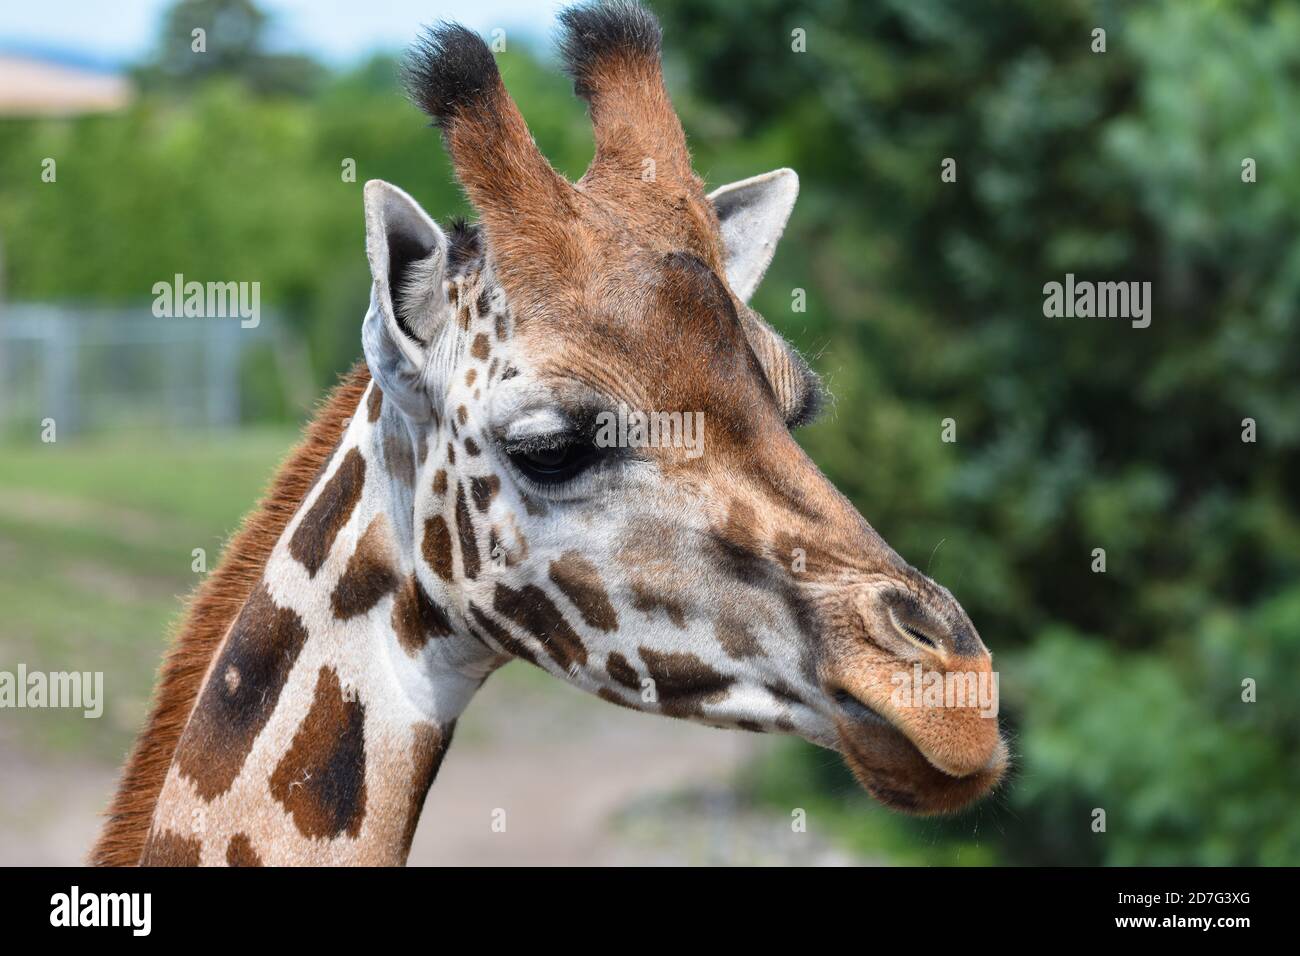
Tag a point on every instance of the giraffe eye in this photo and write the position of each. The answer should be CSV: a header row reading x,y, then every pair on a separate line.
x,y
552,459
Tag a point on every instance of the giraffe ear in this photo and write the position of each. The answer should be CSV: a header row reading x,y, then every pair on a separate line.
x,y
408,309
752,214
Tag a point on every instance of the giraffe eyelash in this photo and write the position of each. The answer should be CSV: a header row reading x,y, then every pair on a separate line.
x,y
529,444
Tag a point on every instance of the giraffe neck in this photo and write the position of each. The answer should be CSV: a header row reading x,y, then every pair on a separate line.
x,y
327,710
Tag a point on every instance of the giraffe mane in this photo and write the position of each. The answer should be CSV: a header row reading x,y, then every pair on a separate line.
x,y
208,616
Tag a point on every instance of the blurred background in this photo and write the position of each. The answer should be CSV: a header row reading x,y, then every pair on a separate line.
x,y
922,300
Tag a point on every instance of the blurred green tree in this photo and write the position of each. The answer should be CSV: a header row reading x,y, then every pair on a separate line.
x,y
232,44
925,302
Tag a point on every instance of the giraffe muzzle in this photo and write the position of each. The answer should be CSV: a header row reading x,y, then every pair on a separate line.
x,y
930,777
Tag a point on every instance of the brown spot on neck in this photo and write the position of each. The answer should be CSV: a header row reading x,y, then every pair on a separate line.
x,y
369,575
427,753
262,648
240,852
321,781
417,618
317,529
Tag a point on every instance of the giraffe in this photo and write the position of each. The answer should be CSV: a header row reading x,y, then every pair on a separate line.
x,y
450,510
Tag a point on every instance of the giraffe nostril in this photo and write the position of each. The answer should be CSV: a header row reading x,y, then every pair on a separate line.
x,y
918,635
912,631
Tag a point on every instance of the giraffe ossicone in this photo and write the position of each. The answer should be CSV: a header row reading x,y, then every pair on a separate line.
x,y
451,508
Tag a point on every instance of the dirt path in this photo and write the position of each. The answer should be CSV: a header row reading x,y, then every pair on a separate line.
x,y
580,782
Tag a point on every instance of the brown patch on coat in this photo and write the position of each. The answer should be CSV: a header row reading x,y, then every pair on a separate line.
x,y
531,609
436,546
471,446
427,753
321,780
171,849
505,641
316,531
369,575
470,376
440,482
683,682
483,489
417,618
469,556
480,349
262,648
214,606
580,582
240,852
645,600
374,403
622,672
736,638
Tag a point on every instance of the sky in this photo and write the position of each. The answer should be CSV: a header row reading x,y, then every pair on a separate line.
x,y
114,32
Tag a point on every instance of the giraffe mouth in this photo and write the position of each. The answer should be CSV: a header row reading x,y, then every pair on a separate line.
x,y
857,710
898,773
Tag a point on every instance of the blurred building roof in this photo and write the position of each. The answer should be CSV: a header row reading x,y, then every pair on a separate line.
x,y
34,87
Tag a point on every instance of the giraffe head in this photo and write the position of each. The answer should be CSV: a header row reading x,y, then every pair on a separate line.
x,y
591,438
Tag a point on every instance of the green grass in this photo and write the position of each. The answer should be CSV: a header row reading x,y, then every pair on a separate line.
x,y
96,544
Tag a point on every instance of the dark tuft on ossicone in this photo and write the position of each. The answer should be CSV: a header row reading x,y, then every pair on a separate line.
x,y
447,69
591,32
